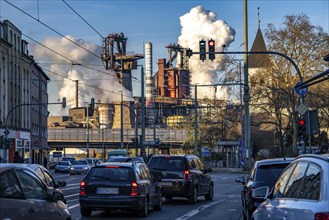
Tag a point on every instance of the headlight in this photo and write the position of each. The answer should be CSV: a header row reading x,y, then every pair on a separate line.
x,y
86,168
72,168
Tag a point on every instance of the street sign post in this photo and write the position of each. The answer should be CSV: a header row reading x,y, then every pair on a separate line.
x,y
300,91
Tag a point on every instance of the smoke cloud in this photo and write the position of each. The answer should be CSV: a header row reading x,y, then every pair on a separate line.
x,y
200,24
94,82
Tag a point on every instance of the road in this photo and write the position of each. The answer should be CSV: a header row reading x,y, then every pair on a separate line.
x,y
226,204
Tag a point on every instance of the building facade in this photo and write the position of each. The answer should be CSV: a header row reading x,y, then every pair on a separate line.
x,y
23,98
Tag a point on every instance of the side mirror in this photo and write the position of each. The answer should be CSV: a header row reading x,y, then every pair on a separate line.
x,y
241,180
61,183
57,196
260,192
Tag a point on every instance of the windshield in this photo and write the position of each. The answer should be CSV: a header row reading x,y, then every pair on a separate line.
x,y
115,174
167,163
268,174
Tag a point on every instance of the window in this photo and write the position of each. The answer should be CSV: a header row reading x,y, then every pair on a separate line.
x,y
282,182
32,186
295,182
9,186
312,183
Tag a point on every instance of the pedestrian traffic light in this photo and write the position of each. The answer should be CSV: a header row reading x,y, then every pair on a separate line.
x,y
202,46
211,48
301,128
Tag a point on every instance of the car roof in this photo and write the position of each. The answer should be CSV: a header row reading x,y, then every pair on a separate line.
x,y
274,161
125,164
319,156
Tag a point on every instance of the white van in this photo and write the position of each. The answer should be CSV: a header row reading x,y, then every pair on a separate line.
x,y
117,153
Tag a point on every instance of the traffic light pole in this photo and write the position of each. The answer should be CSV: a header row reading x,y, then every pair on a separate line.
x,y
6,132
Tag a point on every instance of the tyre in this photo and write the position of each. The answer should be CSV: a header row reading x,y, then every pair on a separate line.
x,y
158,207
193,198
210,194
144,211
85,211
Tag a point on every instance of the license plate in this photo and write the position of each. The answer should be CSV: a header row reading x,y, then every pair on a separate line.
x,y
166,183
107,191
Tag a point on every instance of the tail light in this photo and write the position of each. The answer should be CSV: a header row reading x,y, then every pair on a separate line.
x,y
321,216
134,189
187,175
83,188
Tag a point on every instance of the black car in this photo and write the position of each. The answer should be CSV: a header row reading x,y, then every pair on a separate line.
x,y
115,186
263,173
182,176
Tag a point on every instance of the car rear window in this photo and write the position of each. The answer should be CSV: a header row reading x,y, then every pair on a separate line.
x,y
65,163
167,163
268,174
113,173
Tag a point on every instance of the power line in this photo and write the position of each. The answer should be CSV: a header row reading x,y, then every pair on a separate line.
x,y
83,19
57,32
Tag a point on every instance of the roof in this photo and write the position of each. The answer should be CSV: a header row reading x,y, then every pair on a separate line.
x,y
259,60
275,161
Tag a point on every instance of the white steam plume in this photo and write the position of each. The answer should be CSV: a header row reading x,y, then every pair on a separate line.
x,y
102,85
200,24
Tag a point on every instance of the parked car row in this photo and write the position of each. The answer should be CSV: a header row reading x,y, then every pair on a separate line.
x,y
299,192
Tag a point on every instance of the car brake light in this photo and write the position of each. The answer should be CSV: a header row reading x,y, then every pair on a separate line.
x,y
134,189
83,189
187,175
166,156
112,166
321,216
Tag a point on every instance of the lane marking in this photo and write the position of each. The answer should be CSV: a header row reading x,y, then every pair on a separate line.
x,y
72,200
199,209
73,206
72,195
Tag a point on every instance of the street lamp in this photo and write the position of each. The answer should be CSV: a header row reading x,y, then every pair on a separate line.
x,y
87,129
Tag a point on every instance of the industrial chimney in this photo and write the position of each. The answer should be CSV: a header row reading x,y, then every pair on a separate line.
x,y
149,119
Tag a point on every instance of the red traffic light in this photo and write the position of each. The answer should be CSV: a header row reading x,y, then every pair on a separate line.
x,y
301,122
211,43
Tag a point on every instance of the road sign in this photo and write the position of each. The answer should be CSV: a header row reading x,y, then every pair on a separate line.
x,y
6,132
57,154
299,90
302,108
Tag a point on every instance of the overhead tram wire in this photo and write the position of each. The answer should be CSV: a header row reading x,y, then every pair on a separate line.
x,y
57,32
61,55
94,87
83,19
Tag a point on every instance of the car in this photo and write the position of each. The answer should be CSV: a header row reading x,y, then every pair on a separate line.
x,y
182,176
126,159
45,175
117,153
301,192
23,195
70,159
96,161
263,173
63,167
80,167
90,161
116,186
52,164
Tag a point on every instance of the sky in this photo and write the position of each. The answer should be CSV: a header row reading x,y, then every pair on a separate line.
x,y
54,28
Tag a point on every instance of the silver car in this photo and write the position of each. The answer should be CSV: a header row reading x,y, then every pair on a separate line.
x,y
63,167
23,195
301,192
80,167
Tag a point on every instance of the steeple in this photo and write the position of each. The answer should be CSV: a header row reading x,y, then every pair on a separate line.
x,y
259,60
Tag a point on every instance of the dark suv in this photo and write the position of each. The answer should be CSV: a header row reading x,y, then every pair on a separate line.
x,y
263,173
114,186
182,176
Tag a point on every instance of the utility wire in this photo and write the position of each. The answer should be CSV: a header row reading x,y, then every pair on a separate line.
x,y
61,55
82,19
57,32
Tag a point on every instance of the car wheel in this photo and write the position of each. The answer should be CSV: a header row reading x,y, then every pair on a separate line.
x,y
210,194
144,211
158,207
193,198
85,211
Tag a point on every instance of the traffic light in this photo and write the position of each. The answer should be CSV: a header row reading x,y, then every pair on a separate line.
x,y
301,128
2,141
64,102
189,52
202,46
211,48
